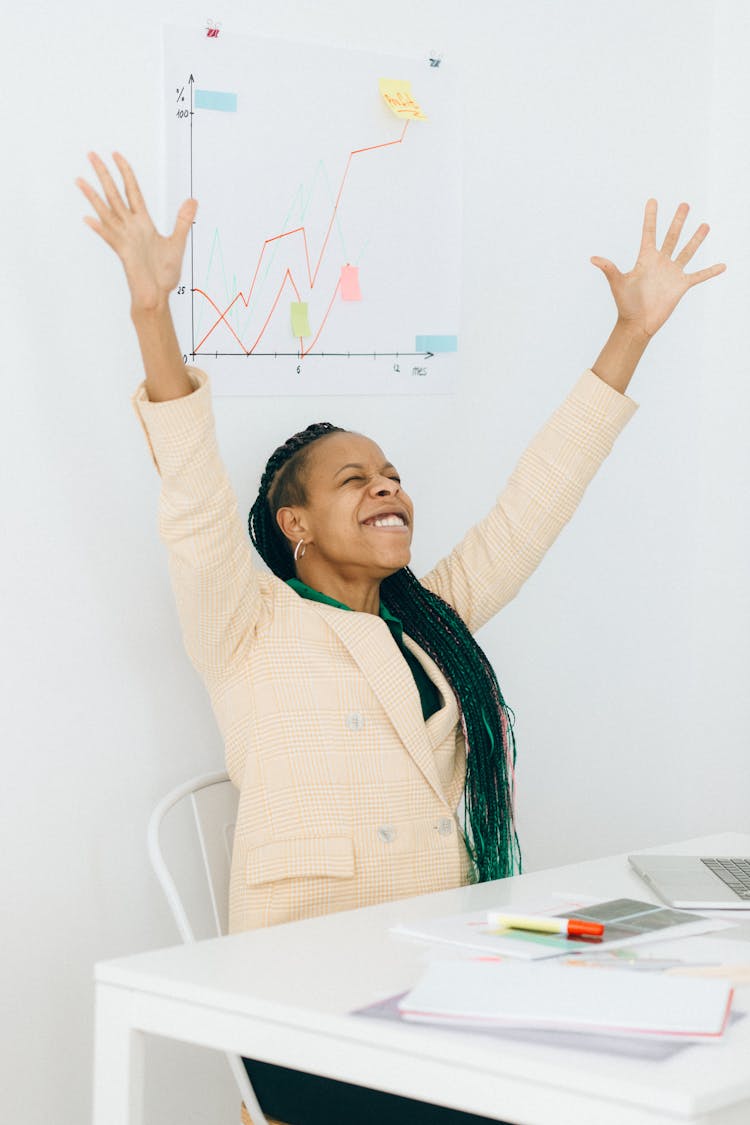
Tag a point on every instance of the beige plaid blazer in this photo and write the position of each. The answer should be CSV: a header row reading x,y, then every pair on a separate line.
x,y
347,796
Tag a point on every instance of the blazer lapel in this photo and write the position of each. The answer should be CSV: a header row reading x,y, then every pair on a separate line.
x,y
439,725
371,645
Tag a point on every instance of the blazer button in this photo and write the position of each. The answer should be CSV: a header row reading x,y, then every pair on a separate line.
x,y
445,826
354,721
387,833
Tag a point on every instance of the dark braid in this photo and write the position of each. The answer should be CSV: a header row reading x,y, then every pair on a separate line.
x,y
486,720
281,486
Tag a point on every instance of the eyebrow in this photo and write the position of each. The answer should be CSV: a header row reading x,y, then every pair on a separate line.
x,y
358,465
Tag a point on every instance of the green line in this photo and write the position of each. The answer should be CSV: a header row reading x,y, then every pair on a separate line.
x,y
299,202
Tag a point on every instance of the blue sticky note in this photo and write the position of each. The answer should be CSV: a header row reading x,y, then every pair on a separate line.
x,y
216,99
437,344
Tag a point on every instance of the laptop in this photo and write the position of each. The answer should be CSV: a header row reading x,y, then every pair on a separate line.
x,y
687,882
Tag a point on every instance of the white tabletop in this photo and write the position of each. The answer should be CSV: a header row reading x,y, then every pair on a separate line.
x,y
285,995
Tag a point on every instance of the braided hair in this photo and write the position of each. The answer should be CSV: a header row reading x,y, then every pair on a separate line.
x,y
486,720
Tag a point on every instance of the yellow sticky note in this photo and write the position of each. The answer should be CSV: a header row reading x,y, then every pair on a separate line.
x,y
300,321
397,95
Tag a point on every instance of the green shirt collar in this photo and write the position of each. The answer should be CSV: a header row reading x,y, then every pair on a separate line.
x,y
316,596
429,696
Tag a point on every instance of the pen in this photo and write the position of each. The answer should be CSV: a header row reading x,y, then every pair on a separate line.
x,y
571,927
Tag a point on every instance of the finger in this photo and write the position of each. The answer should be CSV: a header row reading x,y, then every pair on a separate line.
x,y
689,249
184,221
648,235
99,229
704,275
135,198
111,192
675,229
609,269
94,199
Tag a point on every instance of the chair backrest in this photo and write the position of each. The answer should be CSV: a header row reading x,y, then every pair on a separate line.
x,y
211,801
211,805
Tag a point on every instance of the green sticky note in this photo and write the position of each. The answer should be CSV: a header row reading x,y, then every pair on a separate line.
x,y
300,321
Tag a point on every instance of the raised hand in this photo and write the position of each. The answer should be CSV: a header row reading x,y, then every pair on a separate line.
x,y
152,261
152,265
649,293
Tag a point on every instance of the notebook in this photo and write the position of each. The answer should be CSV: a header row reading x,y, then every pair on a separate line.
x,y
703,882
548,996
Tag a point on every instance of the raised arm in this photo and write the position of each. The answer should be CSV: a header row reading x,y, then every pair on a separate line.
x,y
648,294
152,266
218,592
487,569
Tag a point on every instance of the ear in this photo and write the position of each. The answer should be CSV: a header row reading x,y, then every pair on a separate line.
x,y
293,524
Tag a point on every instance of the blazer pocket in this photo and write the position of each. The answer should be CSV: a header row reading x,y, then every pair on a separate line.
x,y
301,856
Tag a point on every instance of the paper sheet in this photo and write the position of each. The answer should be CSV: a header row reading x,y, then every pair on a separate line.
x,y
627,922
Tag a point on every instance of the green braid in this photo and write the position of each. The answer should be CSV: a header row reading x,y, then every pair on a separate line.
x,y
486,720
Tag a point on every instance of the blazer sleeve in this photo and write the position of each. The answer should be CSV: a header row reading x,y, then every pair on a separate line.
x,y
488,567
217,588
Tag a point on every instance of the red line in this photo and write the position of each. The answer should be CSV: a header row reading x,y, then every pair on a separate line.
x,y
222,316
273,309
311,277
325,318
267,242
354,152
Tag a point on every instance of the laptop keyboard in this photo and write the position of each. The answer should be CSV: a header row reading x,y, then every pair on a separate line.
x,y
735,872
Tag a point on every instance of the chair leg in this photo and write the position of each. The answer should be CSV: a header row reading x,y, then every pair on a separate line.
x,y
247,1119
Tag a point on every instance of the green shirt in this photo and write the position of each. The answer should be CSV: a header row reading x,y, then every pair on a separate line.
x,y
429,696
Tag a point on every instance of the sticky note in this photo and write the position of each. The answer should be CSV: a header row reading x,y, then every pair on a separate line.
x,y
350,290
216,99
437,344
398,96
300,321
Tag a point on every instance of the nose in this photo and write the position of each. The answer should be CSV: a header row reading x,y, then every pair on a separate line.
x,y
385,486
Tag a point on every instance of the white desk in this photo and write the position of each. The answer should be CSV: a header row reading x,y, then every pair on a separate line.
x,y
283,994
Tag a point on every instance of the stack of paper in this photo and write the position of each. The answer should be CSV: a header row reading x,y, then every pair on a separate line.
x,y
511,994
626,922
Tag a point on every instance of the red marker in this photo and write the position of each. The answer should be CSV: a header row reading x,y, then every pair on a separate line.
x,y
571,927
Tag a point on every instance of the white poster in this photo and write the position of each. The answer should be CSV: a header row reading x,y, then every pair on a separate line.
x,y
325,255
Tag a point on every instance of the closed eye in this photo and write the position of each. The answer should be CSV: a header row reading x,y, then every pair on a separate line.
x,y
350,479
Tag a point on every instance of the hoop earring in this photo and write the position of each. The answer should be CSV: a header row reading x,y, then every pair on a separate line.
x,y
300,554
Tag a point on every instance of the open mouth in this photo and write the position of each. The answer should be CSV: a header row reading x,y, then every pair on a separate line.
x,y
388,520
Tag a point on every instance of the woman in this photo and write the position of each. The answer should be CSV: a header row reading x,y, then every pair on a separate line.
x,y
355,705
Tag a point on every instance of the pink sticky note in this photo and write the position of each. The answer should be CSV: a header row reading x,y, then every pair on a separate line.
x,y
350,290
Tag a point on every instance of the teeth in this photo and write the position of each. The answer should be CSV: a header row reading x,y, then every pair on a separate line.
x,y
389,521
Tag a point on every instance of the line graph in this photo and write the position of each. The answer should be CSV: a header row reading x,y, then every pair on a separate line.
x,y
311,274
364,256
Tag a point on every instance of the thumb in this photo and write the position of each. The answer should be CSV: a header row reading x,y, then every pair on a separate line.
x,y
609,269
184,220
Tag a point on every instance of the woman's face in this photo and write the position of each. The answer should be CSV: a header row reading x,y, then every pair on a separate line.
x,y
357,518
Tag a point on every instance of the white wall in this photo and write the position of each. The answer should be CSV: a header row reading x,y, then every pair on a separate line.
x,y
625,657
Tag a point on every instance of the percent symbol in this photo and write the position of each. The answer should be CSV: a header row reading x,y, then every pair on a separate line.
x,y
181,95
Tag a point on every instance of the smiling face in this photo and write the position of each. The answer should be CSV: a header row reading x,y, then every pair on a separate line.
x,y
356,520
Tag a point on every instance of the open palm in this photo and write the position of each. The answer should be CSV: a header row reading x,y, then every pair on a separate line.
x,y
152,261
648,294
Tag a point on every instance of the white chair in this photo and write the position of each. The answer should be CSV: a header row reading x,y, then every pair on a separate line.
x,y
212,800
